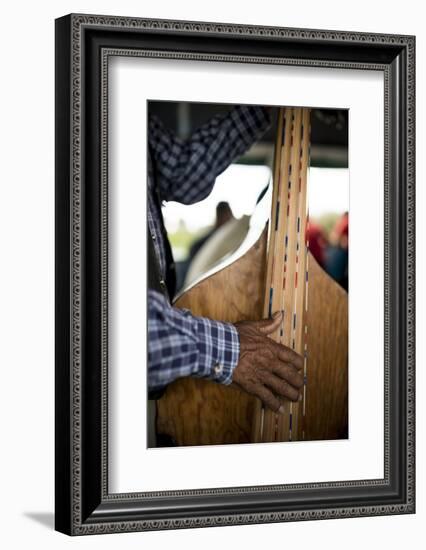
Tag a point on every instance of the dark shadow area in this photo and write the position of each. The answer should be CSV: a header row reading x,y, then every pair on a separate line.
x,y
47,519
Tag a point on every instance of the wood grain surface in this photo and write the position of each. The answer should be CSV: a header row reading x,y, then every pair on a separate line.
x,y
326,415
200,412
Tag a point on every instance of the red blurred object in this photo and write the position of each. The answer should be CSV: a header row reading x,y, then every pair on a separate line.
x,y
317,242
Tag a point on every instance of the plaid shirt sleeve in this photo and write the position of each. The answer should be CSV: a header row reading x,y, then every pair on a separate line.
x,y
180,344
186,170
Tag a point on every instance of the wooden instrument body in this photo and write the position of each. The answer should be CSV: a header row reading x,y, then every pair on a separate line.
x,y
200,412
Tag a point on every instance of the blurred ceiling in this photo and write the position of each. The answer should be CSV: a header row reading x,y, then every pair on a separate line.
x,y
329,130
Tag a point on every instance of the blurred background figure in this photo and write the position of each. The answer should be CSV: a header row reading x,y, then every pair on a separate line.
x,y
337,258
223,215
194,265
222,241
340,233
318,242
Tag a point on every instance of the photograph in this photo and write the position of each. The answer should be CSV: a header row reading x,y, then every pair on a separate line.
x,y
248,264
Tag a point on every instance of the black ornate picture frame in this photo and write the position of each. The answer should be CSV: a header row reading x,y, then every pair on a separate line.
x,y
83,46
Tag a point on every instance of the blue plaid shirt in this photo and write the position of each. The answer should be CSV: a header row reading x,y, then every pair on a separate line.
x,y
179,343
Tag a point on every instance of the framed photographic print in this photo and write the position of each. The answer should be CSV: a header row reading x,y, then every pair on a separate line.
x,y
227,351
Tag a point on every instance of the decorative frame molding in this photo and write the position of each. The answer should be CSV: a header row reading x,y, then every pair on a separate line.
x,y
84,44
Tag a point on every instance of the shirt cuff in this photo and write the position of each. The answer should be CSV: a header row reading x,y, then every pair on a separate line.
x,y
218,350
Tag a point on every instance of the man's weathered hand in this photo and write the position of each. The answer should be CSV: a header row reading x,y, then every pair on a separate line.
x,y
266,368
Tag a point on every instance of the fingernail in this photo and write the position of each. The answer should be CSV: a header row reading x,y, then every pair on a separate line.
x,y
281,410
300,397
276,314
